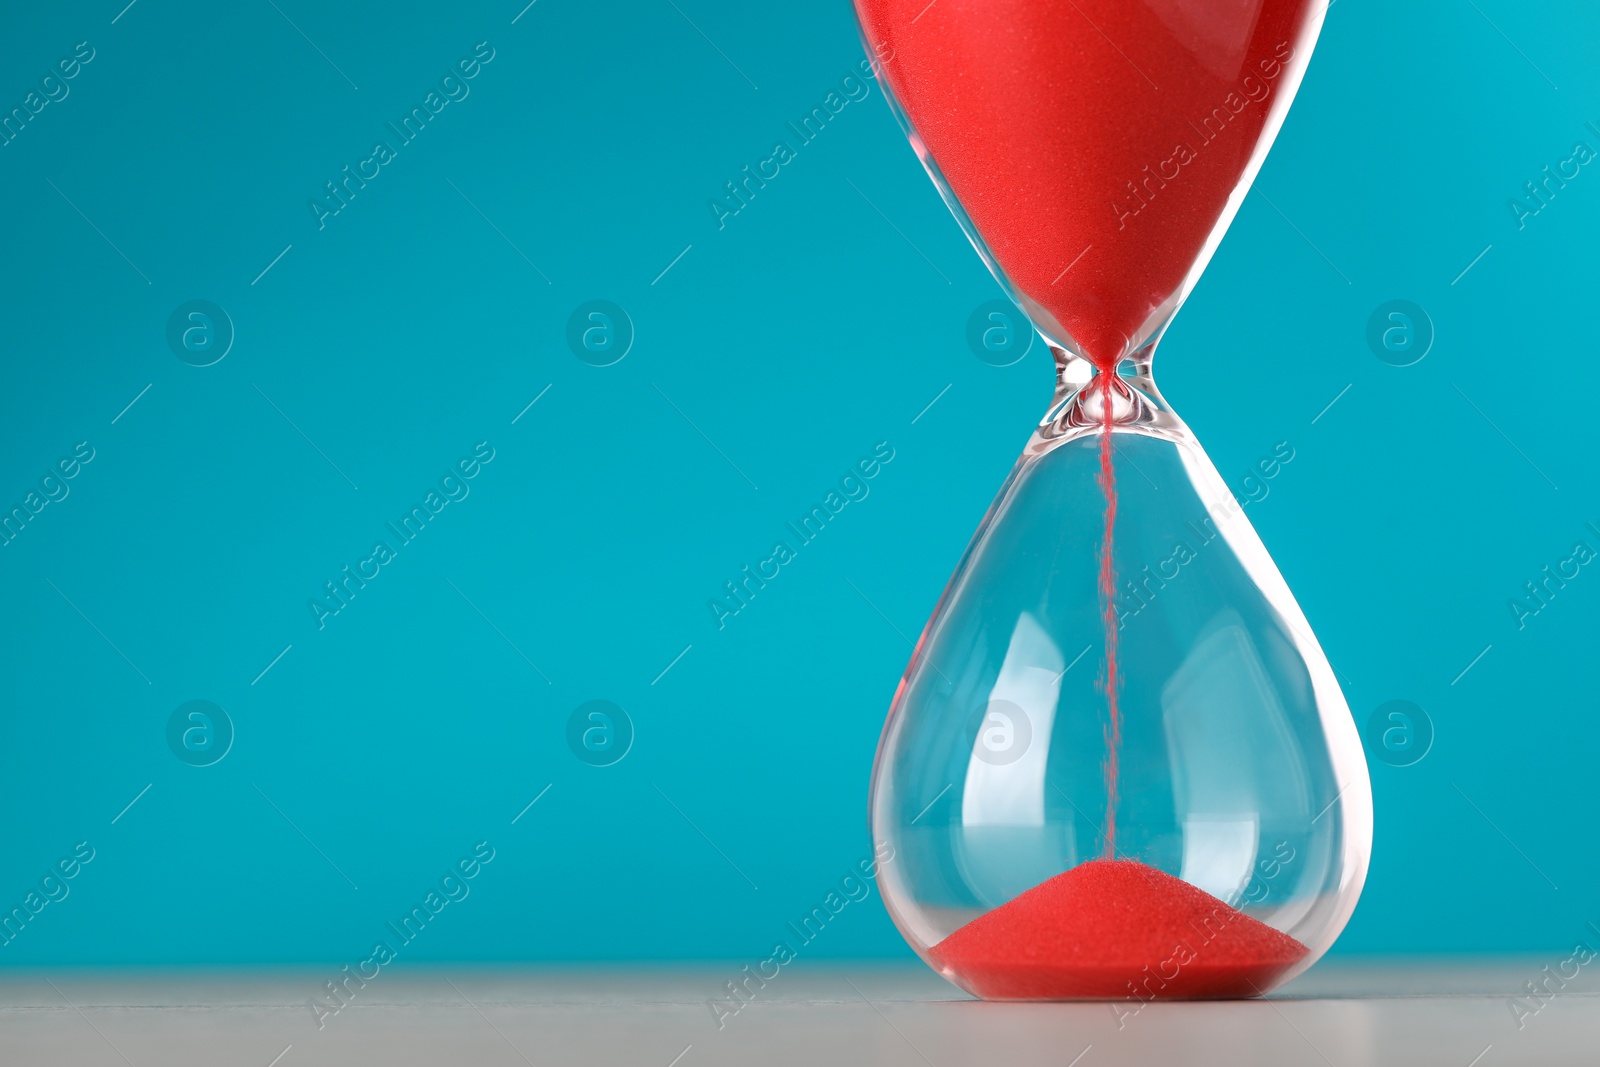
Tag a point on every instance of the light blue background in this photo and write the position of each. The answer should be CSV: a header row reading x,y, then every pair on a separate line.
x,y
795,338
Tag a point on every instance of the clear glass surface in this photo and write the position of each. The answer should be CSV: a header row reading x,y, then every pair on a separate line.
x,y
1239,770
1119,764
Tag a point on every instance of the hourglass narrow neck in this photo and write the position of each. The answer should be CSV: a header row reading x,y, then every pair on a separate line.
x,y
1088,397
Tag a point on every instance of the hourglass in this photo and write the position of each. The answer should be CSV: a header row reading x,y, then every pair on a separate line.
x,y
1119,764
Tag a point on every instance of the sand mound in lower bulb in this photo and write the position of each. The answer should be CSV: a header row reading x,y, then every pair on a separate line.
x,y
1110,929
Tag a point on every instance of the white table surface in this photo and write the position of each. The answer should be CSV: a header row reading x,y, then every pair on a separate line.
x,y
1450,1013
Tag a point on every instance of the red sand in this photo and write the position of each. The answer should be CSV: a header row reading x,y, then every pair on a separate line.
x,y
1111,130
1111,621
1112,929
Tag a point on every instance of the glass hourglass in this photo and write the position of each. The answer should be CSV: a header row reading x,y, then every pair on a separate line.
x,y
1119,764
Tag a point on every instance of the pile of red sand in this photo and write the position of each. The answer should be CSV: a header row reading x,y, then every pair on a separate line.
x,y
1111,929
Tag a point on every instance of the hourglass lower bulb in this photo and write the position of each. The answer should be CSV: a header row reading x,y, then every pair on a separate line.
x,y
1119,764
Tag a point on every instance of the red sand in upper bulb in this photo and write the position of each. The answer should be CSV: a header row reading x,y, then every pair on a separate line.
x,y
1094,143
1113,929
